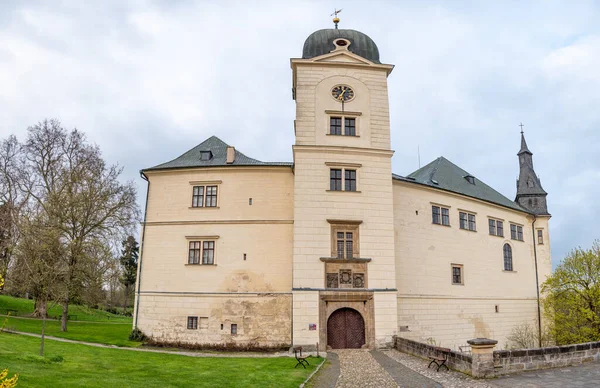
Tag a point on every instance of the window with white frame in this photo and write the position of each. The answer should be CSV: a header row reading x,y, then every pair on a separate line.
x,y
467,221
457,274
508,261
516,232
440,215
201,252
496,227
204,196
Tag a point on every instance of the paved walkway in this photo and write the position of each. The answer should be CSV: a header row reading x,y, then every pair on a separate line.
x,y
586,375
386,368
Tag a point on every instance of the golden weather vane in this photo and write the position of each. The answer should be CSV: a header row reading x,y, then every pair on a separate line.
x,y
336,20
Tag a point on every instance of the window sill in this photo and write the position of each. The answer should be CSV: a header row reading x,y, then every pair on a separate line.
x,y
509,271
332,134
343,191
514,239
469,230
338,260
496,235
433,223
203,207
201,265
458,284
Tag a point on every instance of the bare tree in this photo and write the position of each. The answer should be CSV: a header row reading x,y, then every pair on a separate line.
x,y
80,196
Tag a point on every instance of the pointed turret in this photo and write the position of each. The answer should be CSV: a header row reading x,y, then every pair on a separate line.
x,y
530,193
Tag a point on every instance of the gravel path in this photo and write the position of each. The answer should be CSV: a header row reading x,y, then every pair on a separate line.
x,y
448,379
359,369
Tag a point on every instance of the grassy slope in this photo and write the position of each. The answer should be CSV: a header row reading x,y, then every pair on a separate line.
x,y
25,307
104,333
86,366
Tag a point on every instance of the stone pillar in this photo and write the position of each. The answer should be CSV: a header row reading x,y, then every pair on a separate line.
x,y
482,350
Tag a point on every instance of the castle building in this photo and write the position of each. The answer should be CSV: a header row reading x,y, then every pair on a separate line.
x,y
333,248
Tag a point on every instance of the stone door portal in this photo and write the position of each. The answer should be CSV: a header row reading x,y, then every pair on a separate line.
x,y
345,329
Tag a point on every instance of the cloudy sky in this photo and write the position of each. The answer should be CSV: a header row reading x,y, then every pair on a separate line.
x,y
148,80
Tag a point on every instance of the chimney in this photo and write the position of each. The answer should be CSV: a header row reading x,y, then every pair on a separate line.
x,y
230,154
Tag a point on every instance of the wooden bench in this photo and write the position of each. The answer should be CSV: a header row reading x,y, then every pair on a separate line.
x,y
439,357
301,359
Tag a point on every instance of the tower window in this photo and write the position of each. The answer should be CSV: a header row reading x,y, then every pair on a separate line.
x,y
342,179
350,127
335,126
540,236
344,241
342,125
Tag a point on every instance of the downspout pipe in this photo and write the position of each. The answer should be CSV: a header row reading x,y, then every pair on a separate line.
x,y
139,278
537,282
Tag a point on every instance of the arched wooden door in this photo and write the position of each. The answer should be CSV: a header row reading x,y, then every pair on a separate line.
x,y
345,329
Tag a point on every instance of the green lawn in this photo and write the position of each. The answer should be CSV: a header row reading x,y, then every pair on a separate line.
x,y
104,333
86,366
84,313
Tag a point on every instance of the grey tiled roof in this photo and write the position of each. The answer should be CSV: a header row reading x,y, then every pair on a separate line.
x,y
450,177
219,150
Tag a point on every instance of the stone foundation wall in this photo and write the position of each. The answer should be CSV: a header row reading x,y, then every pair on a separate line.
x,y
262,318
458,361
511,361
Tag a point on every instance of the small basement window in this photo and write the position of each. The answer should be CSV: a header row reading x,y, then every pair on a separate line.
x,y
205,155
233,328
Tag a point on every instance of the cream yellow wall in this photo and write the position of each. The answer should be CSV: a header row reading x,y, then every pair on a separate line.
x,y
428,303
271,190
233,290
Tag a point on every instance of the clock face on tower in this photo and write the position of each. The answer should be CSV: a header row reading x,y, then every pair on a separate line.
x,y
342,93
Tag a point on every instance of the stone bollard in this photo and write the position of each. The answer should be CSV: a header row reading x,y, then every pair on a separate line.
x,y
482,350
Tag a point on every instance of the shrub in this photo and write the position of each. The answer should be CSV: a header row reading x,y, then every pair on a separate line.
x,y
137,335
222,347
5,382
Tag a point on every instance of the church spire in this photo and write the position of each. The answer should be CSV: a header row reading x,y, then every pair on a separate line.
x,y
530,194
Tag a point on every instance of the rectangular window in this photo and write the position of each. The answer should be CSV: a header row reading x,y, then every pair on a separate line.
x,y
540,236
233,329
194,254
208,253
350,180
463,220
445,216
467,221
344,241
350,127
345,245
335,179
435,215
192,323
335,126
198,196
457,276
211,196
500,228
492,227
516,232
472,222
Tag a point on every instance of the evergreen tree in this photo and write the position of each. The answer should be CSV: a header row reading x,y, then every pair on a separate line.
x,y
129,260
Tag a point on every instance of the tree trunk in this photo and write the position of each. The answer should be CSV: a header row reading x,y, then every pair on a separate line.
x,y
43,335
40,310
65,315
126,297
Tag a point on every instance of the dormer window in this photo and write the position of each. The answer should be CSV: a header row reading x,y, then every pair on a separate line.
x,y
470,179
205,155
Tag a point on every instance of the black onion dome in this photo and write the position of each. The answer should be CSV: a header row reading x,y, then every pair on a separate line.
x,y
321,42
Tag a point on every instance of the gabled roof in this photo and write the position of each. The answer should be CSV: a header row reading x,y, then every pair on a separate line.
x,y
445,175
219,157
